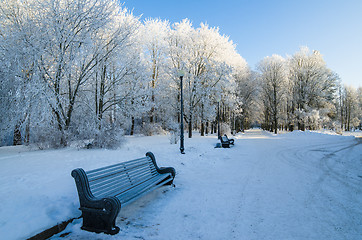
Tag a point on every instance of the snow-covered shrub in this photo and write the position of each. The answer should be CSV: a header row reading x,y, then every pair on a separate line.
x,y
225,129
150,129
108,137
45,137
174,129
174,137
314,119
355,122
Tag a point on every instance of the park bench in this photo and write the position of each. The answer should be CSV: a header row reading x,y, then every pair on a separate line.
x,y
103,191
226,142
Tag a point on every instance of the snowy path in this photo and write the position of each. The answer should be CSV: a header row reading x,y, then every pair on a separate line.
x,y
289,186
266,187
301,191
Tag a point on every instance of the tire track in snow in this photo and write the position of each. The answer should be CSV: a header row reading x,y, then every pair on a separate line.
x,y
347,173
336,188
339,192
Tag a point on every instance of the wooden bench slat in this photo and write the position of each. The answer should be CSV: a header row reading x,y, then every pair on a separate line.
x,y
144,191
117,191
90,172
123,186
123,165
122,182
118,169
121,178
124,174
128,195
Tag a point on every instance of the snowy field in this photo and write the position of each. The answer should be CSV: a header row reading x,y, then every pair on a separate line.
x,y
299,185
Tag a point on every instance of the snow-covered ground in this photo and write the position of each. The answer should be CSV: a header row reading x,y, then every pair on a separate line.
x,y
300,185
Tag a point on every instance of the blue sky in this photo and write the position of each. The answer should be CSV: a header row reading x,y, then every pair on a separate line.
x,y
261,28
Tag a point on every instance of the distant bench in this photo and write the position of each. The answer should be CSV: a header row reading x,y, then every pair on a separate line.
x,y
103,191
226,142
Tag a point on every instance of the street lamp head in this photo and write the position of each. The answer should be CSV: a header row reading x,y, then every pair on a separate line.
x,y
181,73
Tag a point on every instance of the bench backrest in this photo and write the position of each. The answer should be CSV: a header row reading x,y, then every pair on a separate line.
x,y
118,178
224,139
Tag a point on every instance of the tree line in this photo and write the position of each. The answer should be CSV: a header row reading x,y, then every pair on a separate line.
x,y
301,92
73,70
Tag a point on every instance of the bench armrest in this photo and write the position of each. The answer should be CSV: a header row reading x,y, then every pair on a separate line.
x,y
164,170
231,140
86,198
103,206
161,170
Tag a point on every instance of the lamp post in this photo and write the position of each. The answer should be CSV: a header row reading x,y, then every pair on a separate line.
x,y
182,148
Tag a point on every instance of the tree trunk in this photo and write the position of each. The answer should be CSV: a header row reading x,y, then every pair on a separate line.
x,y
101,96
275,123
27,131
190,122
190,126
275,126
17,135
202,129
275,102
301,126
132,126
152,112
349,117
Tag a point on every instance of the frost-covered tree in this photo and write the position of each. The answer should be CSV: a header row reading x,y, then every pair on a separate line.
x,y
313,85
21,97
77,36
155,49
208,60
247,95
118,76
350,108
236,105
359,93
58,47
273,79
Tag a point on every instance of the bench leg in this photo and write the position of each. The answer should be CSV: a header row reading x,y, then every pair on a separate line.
x,y
98,220
98,223
225,145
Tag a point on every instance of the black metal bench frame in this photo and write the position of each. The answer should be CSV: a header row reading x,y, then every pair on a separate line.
x,y
226,142
103,191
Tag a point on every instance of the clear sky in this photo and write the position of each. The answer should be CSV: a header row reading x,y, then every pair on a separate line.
x,y
260,28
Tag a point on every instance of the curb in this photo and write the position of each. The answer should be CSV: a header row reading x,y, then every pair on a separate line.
x,y
52,231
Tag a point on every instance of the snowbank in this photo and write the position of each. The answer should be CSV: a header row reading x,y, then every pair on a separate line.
x,y
288,186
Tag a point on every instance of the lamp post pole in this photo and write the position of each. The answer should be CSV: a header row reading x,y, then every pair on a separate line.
x,y
182,148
